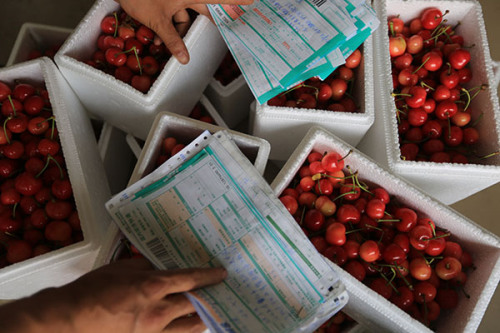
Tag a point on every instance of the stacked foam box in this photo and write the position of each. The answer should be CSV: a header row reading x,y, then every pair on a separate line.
x,y
185,130
447,182
117,156
284,127
232,100
35,36
177,88
119,151
366,306
88,180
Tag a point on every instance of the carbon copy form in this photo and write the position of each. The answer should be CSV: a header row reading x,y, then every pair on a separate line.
x,y
279,43
208,207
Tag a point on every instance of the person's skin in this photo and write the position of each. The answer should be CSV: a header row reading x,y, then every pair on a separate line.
x,y
169,19
126,296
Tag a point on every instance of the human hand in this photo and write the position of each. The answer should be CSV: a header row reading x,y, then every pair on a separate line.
x,y
126,296
169,19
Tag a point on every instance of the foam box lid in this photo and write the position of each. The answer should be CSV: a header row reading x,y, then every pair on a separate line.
x,y
88,180
35,36
178,87
365,305
448,182
284,127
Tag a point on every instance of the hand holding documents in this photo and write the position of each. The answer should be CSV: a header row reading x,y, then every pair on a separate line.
x,y
279,43
208,206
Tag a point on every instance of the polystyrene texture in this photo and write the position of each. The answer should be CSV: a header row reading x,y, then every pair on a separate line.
x,y
366,306
284,127
448,182
232,101
88,181
35,36
177,88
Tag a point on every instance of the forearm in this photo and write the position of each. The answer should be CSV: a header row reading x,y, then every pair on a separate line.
x,y
43,312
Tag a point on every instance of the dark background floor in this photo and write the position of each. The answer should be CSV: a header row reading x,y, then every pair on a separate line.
x,y
483,207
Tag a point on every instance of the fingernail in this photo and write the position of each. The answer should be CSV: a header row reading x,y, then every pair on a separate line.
x,y
224,272
182,57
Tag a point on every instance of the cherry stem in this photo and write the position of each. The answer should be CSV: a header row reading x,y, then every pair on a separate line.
x,y
477,120
391,27
50,158
421,65
468,98
481,88
437,237
5,131
12,104
116,24
14,210
425,85
464,292
489,155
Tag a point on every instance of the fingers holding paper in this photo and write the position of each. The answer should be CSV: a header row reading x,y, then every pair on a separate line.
x,y
170,19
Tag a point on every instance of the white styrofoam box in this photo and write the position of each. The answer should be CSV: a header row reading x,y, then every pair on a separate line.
x,y
366,306
284,127
177,88
232,100
447,182
36,36
120,151
117,156
88,180
170,124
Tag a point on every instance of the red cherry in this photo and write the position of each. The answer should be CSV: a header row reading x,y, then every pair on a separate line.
x,y
417,97
290,203
431,18
314,220
356,269
420,269
353,60
144,35
448,268
369,251
18,250
397,46
335,234
141,83
59,231
375,208
332,162
27,184
459,58
335,254
109,24
22,91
